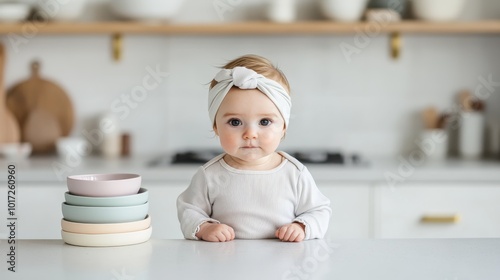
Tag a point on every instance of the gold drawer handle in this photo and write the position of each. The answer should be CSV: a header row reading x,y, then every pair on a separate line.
x,y
441,219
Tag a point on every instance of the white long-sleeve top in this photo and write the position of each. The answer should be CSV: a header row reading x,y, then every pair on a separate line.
x,y
254,203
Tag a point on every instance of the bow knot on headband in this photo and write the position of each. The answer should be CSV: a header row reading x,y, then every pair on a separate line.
x,y
245,78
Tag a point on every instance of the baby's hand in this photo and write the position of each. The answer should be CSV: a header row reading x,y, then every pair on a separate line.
x,y
294,232
215,232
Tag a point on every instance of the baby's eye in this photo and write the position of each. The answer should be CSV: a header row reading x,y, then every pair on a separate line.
x,y
234,122
265,122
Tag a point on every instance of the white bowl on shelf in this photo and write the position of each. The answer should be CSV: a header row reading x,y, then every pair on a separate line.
x,y
73,147
15,150
148,10
438,10
66,10
13,12
344,10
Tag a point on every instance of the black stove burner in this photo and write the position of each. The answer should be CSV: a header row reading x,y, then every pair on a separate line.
x,y
319,157
306,157
195,156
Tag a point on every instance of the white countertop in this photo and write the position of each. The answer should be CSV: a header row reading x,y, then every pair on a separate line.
x,y
52,169
439,259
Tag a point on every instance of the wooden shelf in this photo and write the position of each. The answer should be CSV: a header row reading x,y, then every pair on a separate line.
x,y
251,28
118,29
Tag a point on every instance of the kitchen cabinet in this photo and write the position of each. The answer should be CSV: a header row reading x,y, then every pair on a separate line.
x,y
38,210
429,204
39,213
350,203
432,210
163,209
359,210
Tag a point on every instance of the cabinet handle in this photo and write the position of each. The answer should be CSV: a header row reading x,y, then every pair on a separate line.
x,y
440,219
396,44
117,46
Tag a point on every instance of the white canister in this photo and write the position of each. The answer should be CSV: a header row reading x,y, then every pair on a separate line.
x,y
282,10
471,135
111,141
434,143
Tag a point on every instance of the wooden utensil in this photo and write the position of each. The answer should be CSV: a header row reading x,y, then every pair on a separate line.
x,y
9,128
52,106
41,130
430,118
465,100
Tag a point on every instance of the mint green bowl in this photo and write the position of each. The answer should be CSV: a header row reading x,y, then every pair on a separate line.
x,y
126,200
104,215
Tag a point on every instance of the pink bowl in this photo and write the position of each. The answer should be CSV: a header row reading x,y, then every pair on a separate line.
x,y
104,185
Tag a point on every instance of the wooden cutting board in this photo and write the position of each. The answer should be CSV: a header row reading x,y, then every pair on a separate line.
x,y
40,95
9,128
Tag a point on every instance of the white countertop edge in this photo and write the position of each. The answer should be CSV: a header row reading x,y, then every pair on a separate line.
x,y
53,169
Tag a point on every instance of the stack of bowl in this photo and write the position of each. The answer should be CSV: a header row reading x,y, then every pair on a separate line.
x,y
105,210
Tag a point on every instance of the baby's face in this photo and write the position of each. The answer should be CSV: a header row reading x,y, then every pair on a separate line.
x,y
249,125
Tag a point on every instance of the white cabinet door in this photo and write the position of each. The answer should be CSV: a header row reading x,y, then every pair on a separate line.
x,y
351,206
163,209
438,210
38,210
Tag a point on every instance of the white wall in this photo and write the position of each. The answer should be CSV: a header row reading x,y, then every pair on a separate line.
x,y
369,104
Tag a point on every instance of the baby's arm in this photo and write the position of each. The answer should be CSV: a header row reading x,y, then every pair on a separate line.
x,y
313,208
193,206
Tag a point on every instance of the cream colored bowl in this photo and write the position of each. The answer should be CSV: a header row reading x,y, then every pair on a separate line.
x,y
84,228
104,184
106,240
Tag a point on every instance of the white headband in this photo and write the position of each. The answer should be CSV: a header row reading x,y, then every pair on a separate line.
x,y
245,78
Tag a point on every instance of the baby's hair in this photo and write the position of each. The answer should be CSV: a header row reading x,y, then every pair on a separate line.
x,y
260,65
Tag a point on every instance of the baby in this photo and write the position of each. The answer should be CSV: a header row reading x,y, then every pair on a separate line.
x,y
252,191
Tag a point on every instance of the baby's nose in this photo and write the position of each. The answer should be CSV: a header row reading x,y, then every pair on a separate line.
x,y
250,132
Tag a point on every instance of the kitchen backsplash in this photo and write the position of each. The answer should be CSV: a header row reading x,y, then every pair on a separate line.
x,y
364,102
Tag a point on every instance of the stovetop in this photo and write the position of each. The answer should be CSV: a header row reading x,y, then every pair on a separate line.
x,y
306,157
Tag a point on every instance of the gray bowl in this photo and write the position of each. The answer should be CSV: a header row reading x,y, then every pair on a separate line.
x,y
127,200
